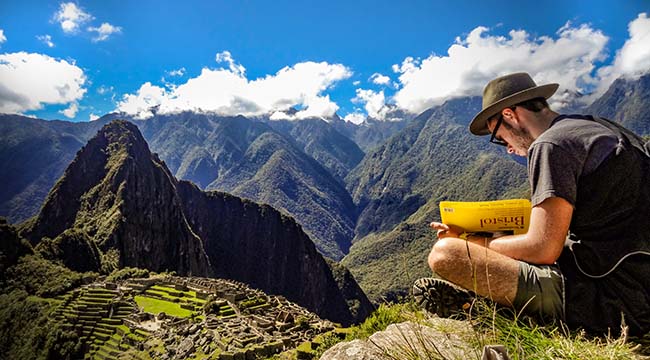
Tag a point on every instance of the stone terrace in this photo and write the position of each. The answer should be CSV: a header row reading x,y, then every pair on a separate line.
x,y
176,318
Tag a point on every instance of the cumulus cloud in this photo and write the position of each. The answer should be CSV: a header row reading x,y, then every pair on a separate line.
x,y
633,58
29,80
71,17
142,103
93,117
380,79
104,31
355,117
375,102
3,38
46,39
227,91
226,57
568,58
71,111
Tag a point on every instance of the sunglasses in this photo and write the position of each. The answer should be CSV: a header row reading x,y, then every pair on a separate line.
x,y
493,138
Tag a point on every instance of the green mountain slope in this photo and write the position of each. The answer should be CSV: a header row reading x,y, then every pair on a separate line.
x,y
320,140
33,155
428,159
273,171
399,185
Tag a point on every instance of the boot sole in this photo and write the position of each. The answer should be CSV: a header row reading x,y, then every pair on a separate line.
x,y
441,297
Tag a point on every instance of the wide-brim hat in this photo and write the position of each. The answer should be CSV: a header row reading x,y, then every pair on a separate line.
x,y
506,91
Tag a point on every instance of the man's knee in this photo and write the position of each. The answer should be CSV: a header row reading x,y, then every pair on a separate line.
x,y
445,254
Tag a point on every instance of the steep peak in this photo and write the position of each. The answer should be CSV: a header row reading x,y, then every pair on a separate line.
x,y
124,198
120,137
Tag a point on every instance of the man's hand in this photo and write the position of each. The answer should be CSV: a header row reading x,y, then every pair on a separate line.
x,y
444,230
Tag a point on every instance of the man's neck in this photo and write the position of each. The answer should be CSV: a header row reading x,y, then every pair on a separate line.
x,y
542,122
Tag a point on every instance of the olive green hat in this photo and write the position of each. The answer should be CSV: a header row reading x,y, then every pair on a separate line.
x,y
506,91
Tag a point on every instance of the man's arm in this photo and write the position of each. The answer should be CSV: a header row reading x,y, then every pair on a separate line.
x,y
543,243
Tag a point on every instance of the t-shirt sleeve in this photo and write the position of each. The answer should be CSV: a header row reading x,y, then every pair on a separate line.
x,y
553,172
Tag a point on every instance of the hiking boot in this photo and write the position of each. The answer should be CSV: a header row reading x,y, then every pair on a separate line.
x,y
441,297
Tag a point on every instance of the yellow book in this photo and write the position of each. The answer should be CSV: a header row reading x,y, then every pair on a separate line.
x,y
487,216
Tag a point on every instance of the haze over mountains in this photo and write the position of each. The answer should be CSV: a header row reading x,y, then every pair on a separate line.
x,y
380,197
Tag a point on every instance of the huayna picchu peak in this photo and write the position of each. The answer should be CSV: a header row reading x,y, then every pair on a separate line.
x,y
125,199
120,206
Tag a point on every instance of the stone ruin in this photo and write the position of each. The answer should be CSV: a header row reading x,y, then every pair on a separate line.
x,y
248,324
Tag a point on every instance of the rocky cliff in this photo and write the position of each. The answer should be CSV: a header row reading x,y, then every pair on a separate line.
x,y
124,199
260,246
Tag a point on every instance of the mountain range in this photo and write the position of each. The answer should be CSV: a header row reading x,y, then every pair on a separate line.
x,y
373,186
234,154
118,205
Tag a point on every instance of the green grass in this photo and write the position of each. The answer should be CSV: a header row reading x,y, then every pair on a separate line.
x,y
155,306
522,338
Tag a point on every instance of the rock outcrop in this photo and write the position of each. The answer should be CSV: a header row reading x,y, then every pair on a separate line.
x,y
407,340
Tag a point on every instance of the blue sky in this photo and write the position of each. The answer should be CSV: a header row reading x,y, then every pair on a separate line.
x,y
82,59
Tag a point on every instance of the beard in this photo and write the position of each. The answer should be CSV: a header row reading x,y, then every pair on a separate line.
x,y
523,139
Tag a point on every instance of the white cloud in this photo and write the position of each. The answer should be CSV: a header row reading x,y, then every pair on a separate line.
x,y
71,17
3,38
46,39
104,31
177,72
634,57
140,104
71,111
226,57
380,79
229,92
375,102
355,118
29,80
470,63
93,117
356,83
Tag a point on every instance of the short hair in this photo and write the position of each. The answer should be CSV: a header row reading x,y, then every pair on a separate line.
x,y
534,105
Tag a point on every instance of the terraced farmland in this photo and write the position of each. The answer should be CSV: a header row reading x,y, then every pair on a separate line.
x,y
97,315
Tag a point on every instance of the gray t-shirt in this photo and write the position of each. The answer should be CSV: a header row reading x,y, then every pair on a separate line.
x,y
572,147
603,170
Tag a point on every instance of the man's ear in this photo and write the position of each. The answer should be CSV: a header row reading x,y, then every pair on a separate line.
x,y
510,115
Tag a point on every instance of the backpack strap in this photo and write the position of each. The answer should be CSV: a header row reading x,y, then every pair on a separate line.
x,y
632,138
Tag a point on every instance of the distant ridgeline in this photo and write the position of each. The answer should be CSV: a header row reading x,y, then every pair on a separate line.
x,y
302,176
117,205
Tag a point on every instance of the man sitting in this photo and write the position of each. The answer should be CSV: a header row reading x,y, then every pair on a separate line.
x,y
584,259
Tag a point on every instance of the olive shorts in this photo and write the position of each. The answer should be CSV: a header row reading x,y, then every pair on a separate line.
x,y
540,291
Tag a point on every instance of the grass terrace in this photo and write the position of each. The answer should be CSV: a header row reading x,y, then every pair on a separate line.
x,y
96,314
156,306
182,304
